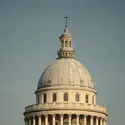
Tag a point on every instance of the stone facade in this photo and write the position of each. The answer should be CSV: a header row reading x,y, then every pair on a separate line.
x,y
65,93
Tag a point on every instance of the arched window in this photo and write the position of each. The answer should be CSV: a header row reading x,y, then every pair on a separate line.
x,y
65,97
62,44
87,98
66,43
77,97
44,98
93,99
54,97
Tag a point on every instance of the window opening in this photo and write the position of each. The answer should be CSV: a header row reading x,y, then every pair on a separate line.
x,y
44,98
87,98
54,97
77,97
65,97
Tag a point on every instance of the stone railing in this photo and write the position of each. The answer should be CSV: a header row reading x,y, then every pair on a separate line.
x,y
66,105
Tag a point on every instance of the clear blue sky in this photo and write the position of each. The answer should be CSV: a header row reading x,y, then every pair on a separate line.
x,y
29,32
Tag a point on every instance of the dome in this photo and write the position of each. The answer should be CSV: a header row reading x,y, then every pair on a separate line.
x,y
65,72
65,93
66,33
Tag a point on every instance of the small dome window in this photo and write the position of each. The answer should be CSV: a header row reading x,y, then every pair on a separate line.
x,y
66,43
87,99
44,98
62,44
77,97
65,97
54,97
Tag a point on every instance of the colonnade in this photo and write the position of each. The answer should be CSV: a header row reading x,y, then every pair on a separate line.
x,y
79,120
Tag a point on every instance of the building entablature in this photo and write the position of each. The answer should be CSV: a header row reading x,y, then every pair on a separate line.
x,y
65,106
67,87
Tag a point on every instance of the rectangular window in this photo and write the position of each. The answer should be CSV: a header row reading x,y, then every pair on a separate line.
x,y
44,98
87,99
54,97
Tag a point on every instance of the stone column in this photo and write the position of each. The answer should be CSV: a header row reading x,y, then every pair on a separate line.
x,y
63,43
100,121
105,122
46,119
85,118
26,121
29,121
53,119
97,122
91,120
70,119
42,98
34,121
39,120
61,119
77,119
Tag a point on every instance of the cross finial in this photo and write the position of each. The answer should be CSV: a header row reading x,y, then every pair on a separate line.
x,y
66,17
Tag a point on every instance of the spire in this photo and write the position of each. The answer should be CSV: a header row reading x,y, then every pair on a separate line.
x,y
66,49
66,29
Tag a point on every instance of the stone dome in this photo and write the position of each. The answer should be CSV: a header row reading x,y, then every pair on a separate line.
x,y
65,72
66,33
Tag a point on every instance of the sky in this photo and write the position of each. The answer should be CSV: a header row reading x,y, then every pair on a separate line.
x,y
29,40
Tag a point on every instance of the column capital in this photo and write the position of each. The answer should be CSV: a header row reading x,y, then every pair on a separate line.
x,y
46,115
85,115
27,117
92,116
100,118
33,116
53,115
97,117
77,115
61,115
105,119
39,115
